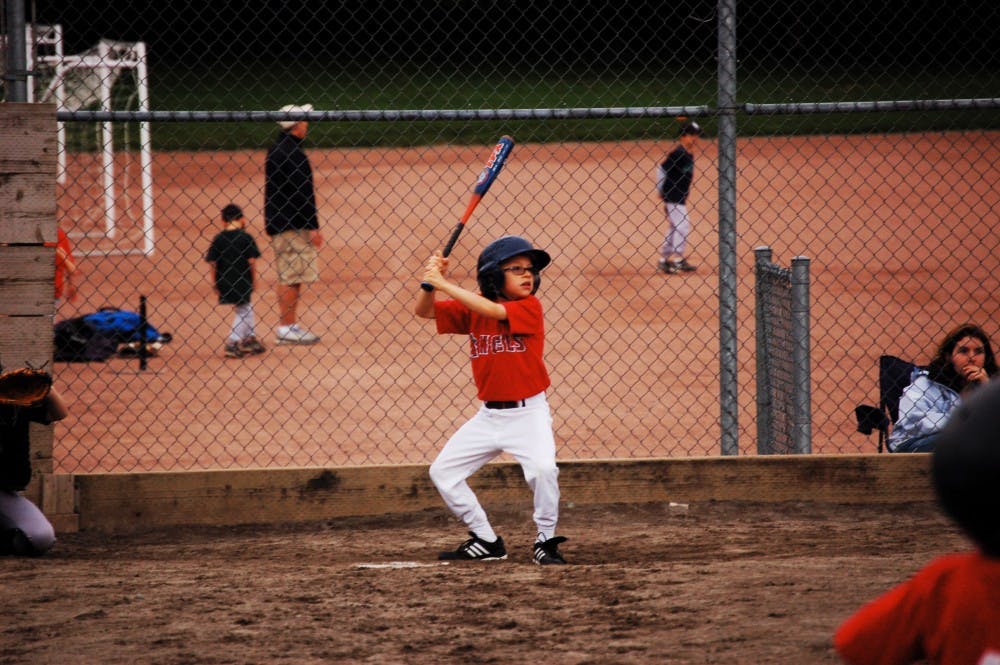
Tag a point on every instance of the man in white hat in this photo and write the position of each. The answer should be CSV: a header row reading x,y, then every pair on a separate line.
x,y
291,222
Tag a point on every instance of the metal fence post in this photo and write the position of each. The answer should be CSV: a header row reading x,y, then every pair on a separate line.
x,y
16,73
765,428
728,379
802,399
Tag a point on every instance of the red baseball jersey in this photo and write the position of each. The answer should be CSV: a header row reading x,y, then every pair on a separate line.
x,y
947,614
506,355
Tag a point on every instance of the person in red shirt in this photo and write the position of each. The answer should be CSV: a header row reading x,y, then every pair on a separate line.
x,y
949,612
506,334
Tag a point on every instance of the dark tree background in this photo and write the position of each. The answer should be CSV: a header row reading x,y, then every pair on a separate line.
x,y
595,33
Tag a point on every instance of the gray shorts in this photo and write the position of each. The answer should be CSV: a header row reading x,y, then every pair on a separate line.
x,y
295,257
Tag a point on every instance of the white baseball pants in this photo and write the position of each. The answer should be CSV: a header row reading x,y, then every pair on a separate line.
x,y
526,434
20,514
675,241
243,323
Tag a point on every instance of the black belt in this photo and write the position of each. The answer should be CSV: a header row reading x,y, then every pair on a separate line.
x,y
516,404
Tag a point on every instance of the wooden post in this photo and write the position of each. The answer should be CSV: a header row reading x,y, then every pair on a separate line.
x,y
28,154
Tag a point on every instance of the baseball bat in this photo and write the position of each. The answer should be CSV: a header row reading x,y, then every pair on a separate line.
x,y
486,177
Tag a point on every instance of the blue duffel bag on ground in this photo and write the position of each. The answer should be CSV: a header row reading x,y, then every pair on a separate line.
x,y
123,326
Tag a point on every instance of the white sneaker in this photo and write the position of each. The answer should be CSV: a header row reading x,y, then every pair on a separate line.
x,y
293,334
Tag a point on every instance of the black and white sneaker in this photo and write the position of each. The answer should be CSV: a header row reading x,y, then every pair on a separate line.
x,y
667,267
684,266
476,549
547,553
233,350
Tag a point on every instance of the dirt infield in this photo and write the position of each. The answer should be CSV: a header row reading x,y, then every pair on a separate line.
x,y
717,583
639,349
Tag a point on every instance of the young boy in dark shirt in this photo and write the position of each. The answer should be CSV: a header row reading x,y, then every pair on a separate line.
x,y
233,254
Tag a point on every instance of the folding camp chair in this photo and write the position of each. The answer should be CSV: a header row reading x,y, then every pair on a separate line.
x,y
893,377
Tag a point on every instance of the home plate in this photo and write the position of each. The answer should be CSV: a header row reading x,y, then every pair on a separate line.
x,y
401,564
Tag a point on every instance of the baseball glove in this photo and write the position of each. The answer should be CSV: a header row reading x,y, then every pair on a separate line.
x,y
24,386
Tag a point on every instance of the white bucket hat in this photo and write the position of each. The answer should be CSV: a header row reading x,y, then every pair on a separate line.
x,y
293,108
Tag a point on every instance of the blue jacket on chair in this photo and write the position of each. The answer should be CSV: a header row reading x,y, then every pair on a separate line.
x,y
923,409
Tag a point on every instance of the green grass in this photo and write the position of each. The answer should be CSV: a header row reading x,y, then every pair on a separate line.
x,y
249,86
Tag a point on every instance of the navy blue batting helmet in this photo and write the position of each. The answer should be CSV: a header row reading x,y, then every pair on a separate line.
x,y
488,273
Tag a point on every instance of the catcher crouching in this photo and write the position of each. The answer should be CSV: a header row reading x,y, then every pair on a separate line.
x,y
26,396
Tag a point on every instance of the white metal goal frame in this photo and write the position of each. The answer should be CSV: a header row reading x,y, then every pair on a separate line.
x,y
86,80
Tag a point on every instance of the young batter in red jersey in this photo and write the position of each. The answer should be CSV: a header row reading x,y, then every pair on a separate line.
x,y
949,612
507,337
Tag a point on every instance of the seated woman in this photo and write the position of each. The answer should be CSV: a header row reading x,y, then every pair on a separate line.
x,y
964,361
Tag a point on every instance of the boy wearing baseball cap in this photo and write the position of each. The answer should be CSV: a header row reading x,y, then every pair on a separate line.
x,y
674,178
506,332
233,255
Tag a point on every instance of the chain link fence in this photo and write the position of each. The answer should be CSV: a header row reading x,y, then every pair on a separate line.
x,y
862,137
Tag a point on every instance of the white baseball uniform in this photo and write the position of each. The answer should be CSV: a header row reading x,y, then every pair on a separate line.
x,y
511,378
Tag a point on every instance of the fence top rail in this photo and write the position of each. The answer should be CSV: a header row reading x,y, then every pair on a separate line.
x,y
803,108
594,113
429,115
